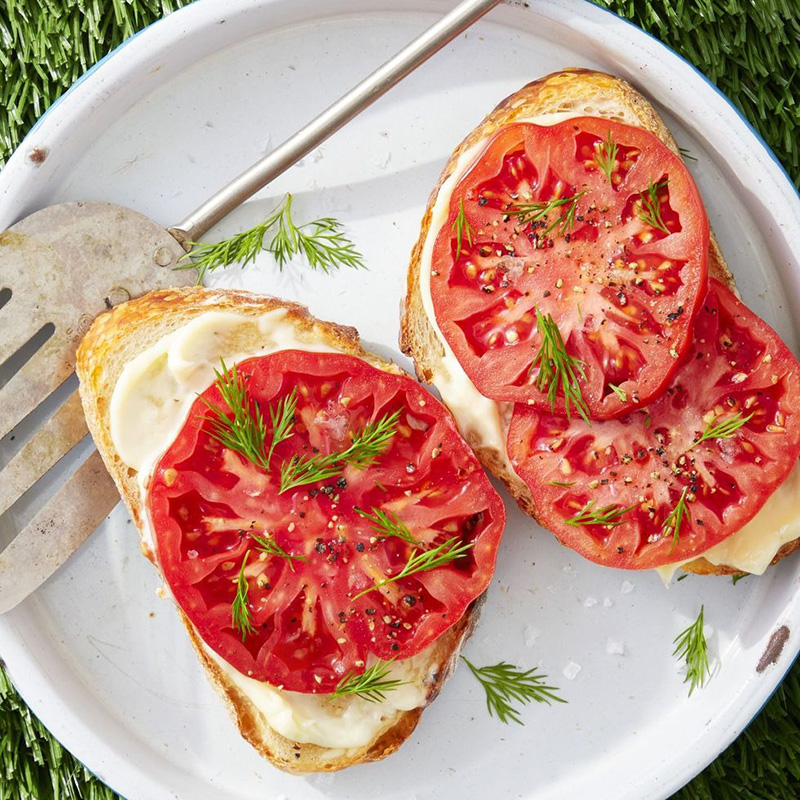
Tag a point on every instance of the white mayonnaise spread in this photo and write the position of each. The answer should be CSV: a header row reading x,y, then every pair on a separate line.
x,y
751,549
337,722
149,406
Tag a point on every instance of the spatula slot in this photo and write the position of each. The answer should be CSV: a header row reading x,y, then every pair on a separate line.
x,y
5,296
22,432
16,361
26,507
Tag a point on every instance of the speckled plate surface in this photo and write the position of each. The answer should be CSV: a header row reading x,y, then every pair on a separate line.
x,y
173,115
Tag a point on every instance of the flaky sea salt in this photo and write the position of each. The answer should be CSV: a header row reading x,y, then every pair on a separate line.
x,y
571,671
614,647
313,157
607,602
626,588
589,602
531,635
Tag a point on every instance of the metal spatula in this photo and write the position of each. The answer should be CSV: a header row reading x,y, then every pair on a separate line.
x,y
62,266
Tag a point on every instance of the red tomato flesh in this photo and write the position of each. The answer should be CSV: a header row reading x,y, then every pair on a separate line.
x,y
736,365
622,290
205,502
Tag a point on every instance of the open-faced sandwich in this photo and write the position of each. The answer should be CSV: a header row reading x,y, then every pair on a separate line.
x,y
569,302
323,528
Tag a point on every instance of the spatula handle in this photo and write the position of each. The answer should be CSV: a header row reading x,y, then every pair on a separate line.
x,y
330,120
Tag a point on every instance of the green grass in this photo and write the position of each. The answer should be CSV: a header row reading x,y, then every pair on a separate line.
x,y
751,50
33,765
46,45
764,762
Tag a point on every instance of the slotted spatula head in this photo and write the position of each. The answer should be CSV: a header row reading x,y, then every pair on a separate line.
x,y
63,266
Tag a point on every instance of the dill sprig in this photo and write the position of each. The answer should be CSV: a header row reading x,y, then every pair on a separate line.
x,y
691,647
605,156
282,419
619,392
371,685
676,518
722,430
246,432
299,471
241,248
387,524
241,617
321,241
368,443
504,684
424,560
557,368
650,211
565,484
462,228
266,544
533,212
607,516
686,154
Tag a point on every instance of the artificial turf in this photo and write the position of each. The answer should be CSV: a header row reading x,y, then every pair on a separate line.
x,y
751,50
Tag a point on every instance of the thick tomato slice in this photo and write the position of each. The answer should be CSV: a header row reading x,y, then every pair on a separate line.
x,y
206,502
736,369
622,290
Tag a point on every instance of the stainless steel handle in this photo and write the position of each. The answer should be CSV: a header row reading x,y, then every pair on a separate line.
x,y
330,120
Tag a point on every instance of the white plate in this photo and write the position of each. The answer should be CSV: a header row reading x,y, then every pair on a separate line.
x,y
176,113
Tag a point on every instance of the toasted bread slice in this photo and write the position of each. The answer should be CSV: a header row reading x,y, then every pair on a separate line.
x,y
577,91
118,336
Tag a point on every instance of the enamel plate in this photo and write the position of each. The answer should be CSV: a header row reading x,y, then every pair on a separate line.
x,y
176,113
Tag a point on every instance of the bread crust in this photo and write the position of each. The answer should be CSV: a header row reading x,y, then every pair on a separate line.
x,y
588,93
124,332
